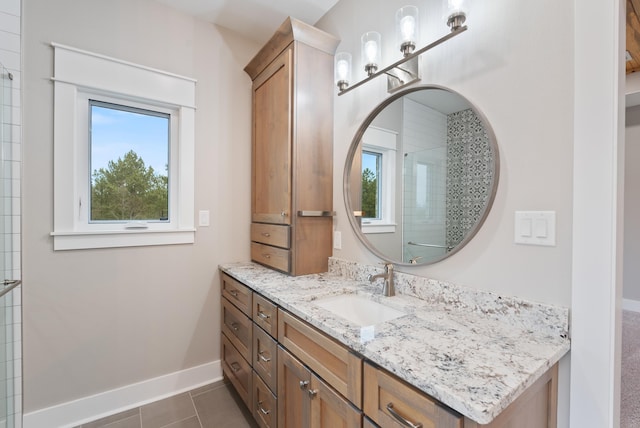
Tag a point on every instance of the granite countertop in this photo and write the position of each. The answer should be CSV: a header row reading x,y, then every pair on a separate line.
x,y
474,351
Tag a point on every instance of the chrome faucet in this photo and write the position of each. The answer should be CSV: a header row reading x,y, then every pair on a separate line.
x,y
388,289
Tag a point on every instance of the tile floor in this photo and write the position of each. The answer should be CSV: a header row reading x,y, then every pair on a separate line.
x,y
212,406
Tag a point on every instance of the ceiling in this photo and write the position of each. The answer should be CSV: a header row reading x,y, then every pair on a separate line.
x,y
255,19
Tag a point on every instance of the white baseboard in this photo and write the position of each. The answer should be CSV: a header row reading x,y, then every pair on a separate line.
x,y
631,305
74,413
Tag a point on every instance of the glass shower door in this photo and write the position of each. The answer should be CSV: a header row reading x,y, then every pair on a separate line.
x,y
10,331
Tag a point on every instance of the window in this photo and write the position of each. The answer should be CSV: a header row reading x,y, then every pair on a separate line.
x,y
123,149
129,164
378,181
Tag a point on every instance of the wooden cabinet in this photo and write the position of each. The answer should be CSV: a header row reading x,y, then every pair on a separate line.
x,y
331,360
237,293
292,156
304,400
265,402
392,403
291,375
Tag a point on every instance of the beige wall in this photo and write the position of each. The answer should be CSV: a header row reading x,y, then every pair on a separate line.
x,y
98,319
631,280
519,73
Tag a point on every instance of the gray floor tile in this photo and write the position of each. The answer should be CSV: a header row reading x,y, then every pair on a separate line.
x,y
206,388
131,422
167,411
109,420
222,408
192,422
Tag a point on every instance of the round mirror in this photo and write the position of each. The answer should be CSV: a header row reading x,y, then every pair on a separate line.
x,y
421,175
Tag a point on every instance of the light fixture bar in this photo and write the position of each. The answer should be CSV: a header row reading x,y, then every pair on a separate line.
x,y
406,58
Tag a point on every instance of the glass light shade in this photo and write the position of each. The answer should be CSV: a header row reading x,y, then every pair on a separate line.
x,y
342,70
407,28
454,13
371,51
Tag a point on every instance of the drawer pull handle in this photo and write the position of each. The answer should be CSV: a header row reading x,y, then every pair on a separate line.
x,y
404,422
235,367
262,410
234,326
234,293
266,234
262,357
304,384
267,256
263,315
312,393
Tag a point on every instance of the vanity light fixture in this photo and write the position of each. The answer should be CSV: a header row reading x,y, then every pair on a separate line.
x,y
343,70
407,28
456,16
371,51
404,71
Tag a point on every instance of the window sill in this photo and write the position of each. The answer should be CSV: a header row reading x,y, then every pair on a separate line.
x,y
378,228
125,238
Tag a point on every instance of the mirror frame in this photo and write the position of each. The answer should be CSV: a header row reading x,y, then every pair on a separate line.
x,y
346,182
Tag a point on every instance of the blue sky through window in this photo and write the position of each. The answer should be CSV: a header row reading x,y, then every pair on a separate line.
x,y
115,132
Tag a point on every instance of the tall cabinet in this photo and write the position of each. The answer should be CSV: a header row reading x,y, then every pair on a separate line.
x,y
292,153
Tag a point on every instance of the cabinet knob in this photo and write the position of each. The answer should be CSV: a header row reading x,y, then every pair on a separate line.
x,y
304,384
283,213
235,367
266,234
234,326
312,393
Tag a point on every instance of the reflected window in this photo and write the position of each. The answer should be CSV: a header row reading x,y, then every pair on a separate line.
x,y
371,184
379,181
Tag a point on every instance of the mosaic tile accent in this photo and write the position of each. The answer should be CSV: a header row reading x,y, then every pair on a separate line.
x,y
469,173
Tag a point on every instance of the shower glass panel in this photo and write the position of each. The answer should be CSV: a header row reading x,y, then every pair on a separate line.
x,y
9,331
424,214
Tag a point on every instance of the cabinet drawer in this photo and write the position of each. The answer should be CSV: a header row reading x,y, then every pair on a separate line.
x,y
276,258
338,366
270,234
236,293
388,401
265,314
237,370
265,409
238,328
265,354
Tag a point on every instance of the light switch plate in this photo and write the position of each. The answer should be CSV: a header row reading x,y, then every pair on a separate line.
x,y
535,228
337,240
203,218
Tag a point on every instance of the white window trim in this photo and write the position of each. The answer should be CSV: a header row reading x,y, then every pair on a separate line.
x,y
383,141
78,73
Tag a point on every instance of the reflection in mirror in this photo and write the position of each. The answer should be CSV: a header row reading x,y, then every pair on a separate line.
x,y
421,175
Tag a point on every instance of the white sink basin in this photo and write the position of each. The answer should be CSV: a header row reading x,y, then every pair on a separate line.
x,y
358,309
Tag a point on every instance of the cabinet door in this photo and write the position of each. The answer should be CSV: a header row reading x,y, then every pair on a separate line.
x,y
293,391
334,362
272,136
330,410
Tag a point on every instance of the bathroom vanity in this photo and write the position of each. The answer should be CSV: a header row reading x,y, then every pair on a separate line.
x,y
435,355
